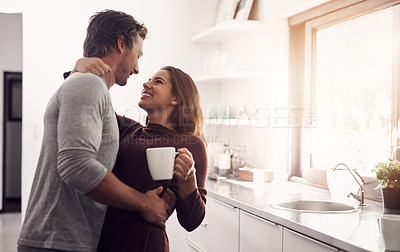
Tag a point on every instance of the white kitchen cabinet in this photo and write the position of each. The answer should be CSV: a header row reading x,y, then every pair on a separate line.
x,y
257,234
176,235
227,228
218,232
198,239
223,226
293,241
182,241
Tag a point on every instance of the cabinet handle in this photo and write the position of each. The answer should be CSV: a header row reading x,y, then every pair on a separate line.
x,y
194,246
259,218
224,204
269,222
204,224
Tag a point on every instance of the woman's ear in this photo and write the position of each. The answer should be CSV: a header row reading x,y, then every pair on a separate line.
x,y
175,101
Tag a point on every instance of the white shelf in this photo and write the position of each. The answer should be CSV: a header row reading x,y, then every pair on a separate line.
x,y
230,122
220,67
228,75
227,30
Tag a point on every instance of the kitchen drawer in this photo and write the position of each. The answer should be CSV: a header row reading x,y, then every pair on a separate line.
x,y
257,234
176,235
198,239
223,226
293,241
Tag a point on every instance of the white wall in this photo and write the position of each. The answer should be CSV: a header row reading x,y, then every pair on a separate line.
x,y
10,61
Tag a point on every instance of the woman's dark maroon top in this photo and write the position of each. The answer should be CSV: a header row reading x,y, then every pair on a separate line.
x,y
125,230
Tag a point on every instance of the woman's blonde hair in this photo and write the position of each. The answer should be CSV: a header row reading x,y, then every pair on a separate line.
x,y
188,116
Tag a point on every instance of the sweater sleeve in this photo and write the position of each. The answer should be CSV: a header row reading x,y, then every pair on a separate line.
x,y
82,104
125,123
192,209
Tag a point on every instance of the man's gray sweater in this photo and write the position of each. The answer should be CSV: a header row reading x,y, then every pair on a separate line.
x,y
80,144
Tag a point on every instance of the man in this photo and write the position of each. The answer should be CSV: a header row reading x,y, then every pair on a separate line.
x,y
80,145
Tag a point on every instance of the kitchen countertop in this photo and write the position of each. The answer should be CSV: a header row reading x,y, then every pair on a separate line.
x,y
355,231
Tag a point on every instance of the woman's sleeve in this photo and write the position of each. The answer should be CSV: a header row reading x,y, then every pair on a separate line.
x,y
192,209
66,74
125,123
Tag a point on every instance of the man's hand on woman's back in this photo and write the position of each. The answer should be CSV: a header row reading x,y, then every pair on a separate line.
x,y
155,208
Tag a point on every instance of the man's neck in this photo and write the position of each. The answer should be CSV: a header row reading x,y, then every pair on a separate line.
x,y
110,79
109,76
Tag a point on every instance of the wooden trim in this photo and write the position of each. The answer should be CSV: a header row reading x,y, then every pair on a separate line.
x,y
352,11
321,10
296,66
332,9
309,56
296,87
396,84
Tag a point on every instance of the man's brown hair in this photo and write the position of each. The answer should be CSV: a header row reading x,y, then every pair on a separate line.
x,y
106,27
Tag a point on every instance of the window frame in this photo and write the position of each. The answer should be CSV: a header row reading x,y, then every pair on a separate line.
x,y
302,53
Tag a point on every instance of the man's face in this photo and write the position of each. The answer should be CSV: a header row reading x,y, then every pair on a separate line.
x,y
129,63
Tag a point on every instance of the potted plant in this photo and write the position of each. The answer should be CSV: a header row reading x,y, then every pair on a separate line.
x,y
388,175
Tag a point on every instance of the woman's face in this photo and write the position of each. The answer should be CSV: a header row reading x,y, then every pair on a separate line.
x,y
157,93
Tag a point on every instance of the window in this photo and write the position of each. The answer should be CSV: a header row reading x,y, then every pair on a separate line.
x,y
344,68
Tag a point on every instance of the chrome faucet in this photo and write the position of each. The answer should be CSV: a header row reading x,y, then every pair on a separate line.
x,y
360,194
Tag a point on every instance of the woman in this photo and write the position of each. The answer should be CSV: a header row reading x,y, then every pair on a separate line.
x,y
171,99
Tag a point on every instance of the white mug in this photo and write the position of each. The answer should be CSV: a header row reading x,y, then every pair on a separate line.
x,y
390,228
161,162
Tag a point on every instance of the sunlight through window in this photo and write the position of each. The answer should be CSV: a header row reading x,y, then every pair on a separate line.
x,y
353,92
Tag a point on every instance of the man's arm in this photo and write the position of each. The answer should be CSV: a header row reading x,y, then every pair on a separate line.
x,y
95,66
92,65
111,191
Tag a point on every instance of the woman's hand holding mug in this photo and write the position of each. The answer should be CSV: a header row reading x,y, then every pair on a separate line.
x,y
184,165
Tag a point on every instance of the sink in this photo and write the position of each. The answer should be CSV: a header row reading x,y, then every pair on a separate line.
x,y
315,206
